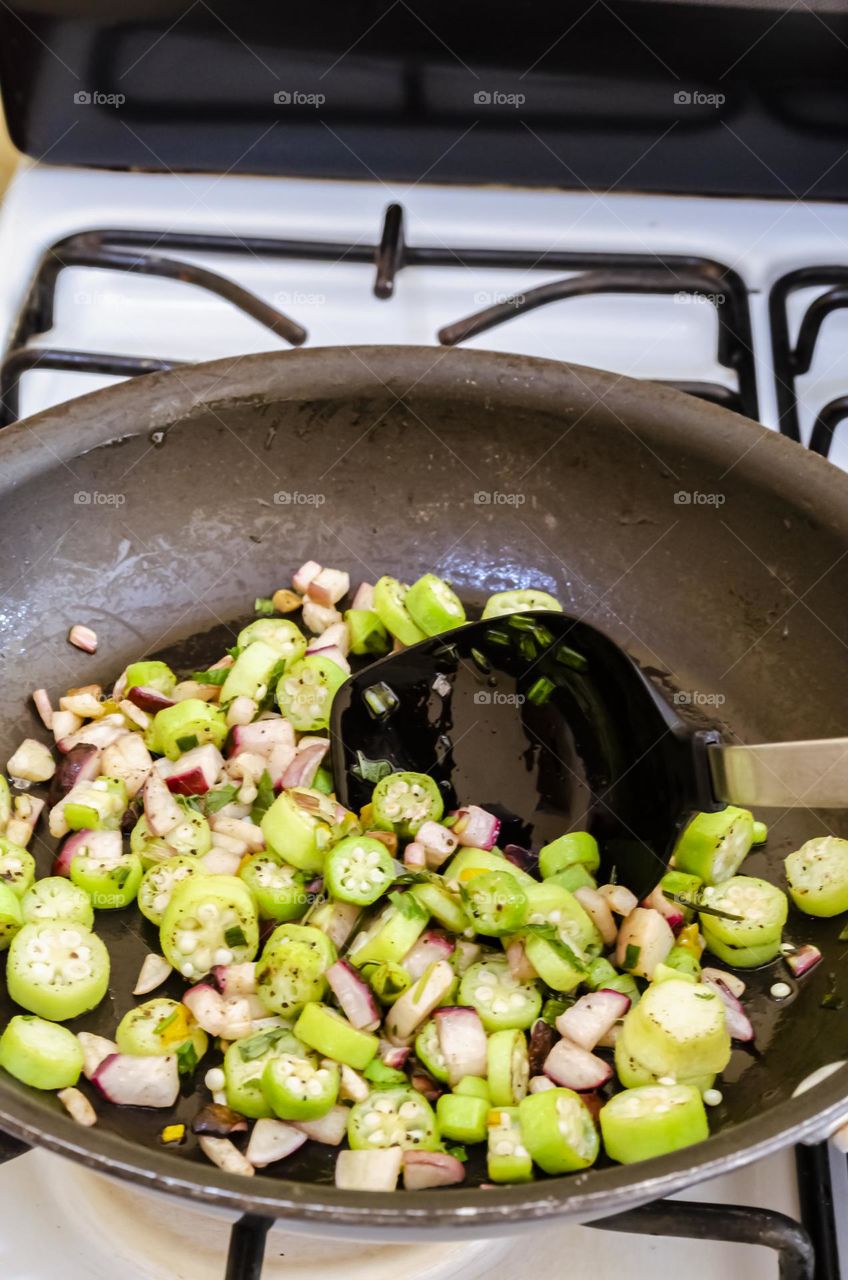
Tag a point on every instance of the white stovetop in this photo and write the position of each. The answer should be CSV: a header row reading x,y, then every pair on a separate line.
x,y
661,337
80,1226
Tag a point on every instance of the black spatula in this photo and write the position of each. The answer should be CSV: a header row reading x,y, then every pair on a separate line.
x,y
544,721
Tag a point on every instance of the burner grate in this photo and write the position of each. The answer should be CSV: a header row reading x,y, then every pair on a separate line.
x,y
138,251
790,362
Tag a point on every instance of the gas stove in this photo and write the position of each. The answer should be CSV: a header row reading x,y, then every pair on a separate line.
x,y
740,301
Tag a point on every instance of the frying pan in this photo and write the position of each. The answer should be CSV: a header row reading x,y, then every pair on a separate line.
x,y
714,551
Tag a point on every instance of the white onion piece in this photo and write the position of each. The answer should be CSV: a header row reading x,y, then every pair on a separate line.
x,y
78,1106
161,811
329,586
31,762
225,1155
475,827
100,733
304,575
649,937
353,1087
306,763
423,1169
154,971
376,1170
339,922
138,1082
598,909
331,1129
731,980
803,959
95,1049
259,737
592,1016
418,1002
272,1140
206,1005
43,706
439,843
354,996
364,596
621,900
574,1068
666,907
431,946
248,833
337,635
519,966
737,1021
415,856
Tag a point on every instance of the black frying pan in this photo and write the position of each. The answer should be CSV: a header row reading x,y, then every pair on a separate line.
x,y
739,609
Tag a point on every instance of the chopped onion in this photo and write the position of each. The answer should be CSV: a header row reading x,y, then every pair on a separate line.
x,y
376,1170
423,1169
225,1155
598,909
196,772
154,971
95,1049
31,762
354,996
542,1040
206,1006
78,1106
462,1040
737,1020
273,1140
592,1016
418,1002
439,843
306,763
330,1129
161,811
731,980
431,946
519,966
304,575
803,959
574,1068
83,638
621,900
80,764
666,907
363,597
138,1082
644,941
44,707
476,828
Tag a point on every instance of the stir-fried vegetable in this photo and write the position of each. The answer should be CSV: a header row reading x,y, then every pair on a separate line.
x,y
394,978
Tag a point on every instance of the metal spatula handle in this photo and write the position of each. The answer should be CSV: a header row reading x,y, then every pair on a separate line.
x,y
787,775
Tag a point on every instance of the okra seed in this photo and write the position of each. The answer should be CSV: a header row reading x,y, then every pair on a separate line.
x,y
214,1079
223,956
503,1148
500,1006
376,1138
371,1121
484,995
408,1110
713,1097
521,1152
780,990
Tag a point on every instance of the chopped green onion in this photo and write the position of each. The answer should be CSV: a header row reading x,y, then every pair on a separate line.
x,y
186,744
540,691
265,796
264,606
571,658
380,700
631,956
234,936
186,1058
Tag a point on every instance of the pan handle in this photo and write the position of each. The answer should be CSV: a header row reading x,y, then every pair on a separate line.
x,y
782,775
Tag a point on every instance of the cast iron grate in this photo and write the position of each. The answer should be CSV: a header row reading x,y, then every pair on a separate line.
x,y
791,361
141,251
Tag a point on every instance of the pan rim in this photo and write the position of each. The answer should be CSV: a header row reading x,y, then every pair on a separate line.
x,y
152,403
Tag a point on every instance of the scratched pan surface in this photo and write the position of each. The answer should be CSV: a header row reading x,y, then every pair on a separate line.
x,y
155,511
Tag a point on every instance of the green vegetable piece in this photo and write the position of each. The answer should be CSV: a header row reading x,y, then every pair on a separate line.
x,y
678,1029
428,1051
434,606
550,904
818,876
57,971
110,882
377,1073
280,633
634,1074
244,1066
558,1131
368,636
159,1027
358,870
742,957
5,803
639,1124
295,833
403,802
151,675
173,726
508,1068
388,937
529,600
279,890
390,606
495,903
446,907
387,981
306,689
761,907
576,847
332,1036
190,838
290,972
99,806
297,1089
502,1002
555,962
760,834
11,915
210,920
574,877
393,1118
251,673
158,884
17,866
56,899
473,1087
714,845
507,1157
470,862
40,1054
681,961
462,1118
679,884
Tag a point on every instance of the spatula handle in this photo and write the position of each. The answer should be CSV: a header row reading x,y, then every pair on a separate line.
x,y
782,775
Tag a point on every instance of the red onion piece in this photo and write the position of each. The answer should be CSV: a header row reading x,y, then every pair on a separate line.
x,y
476,828
138,1082
99,733
803,959
44,707
340,921
394,1055
598,910
574,1068
439,843
196,772
206,1006
423,1169
161,811
80,764
306,763
429,948
236,979
737,1020
304,575
424,1084
259,737
646,937
272,1140
462,1040
524,859
415,856
672,912
95,1049
148,699
331,652
519,966
107,845
328,587
592,1016
354,996
337,636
